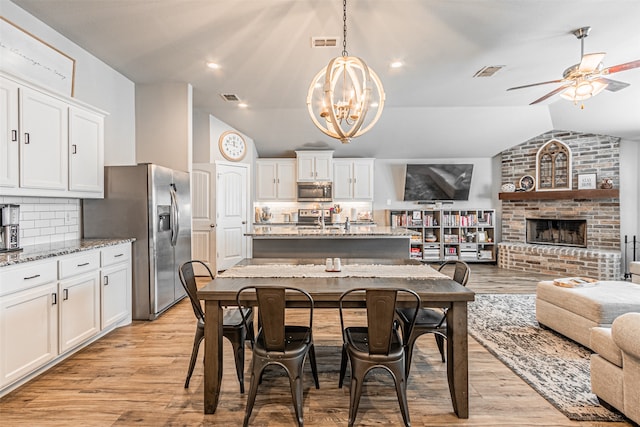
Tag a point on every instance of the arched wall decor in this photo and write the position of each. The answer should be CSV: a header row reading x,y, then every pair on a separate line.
x,y
553,167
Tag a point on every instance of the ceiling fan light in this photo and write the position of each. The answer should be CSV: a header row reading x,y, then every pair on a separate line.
x,y
582,90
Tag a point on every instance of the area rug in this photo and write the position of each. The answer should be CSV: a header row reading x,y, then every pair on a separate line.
x,y
554,366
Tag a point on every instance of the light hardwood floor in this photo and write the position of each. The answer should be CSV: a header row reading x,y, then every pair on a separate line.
x,y
135,376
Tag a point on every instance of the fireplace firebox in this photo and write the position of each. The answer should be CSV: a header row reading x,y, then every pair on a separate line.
x,y
558,232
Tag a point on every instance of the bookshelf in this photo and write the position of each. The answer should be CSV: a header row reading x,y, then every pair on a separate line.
x,y
449,234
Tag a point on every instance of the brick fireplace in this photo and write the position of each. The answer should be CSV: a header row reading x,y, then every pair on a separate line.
x,y
598,255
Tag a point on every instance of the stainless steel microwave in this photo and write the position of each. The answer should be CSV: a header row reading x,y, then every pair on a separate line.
x,y
315,192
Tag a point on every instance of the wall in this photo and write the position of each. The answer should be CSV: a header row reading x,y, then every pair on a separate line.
x,y
389,185
164,131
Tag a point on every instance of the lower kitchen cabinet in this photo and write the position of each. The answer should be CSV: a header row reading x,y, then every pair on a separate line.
x,y
28,331
50,308
79,310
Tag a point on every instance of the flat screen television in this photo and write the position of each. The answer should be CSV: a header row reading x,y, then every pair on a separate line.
x,y
437,182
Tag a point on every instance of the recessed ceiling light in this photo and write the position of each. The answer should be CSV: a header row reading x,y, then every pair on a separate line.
x,y
243,105
396,64
213,65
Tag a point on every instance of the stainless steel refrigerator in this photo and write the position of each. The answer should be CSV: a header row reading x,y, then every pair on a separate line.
x,y
153,204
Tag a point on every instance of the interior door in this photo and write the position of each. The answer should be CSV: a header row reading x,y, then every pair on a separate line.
x,y
203,236
231,214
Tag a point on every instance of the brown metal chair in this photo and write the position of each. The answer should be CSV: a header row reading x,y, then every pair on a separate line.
x,y
431,321
280,344
233,329
377,345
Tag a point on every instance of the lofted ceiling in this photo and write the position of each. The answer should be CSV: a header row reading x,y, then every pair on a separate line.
x,y
434,108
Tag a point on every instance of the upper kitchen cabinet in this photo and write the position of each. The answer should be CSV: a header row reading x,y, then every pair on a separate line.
x,y
276,179
51,146
315,165
86,150
353,179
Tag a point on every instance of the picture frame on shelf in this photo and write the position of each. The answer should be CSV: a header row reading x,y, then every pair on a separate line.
x,y
481,237
587,181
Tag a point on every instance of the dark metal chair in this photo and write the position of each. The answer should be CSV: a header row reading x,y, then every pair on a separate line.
x,y
377,345
234,328
280,344
431,321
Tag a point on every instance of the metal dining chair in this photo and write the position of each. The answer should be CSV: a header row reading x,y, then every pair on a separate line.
x,y
235,328
431,321
377,345
278,343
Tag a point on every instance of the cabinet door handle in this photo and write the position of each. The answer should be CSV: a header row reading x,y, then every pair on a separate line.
x,y
14,135
106,280
65,294
54,298
83,264
118,255
31,277
74,149
26,137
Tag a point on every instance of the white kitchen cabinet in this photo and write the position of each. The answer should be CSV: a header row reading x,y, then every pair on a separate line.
x,y
86,151
115,284
43,145
353,179
28,319
276,179
315,165
50,145
79,295
8,134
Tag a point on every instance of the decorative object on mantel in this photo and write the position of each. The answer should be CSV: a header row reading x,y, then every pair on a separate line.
x,y
606,183
527,183
32,59
553,166
341,95
508,188
586,181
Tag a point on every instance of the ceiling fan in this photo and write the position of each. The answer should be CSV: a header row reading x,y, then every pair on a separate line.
x,y
586,79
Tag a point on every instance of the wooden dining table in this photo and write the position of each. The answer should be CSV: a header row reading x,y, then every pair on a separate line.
x,y
433,290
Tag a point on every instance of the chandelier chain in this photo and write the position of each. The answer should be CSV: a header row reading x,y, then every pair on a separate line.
x,y
344,28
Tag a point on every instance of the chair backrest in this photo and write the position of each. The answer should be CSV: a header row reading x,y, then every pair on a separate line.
x,y
272,305
188,280
381,310
461,271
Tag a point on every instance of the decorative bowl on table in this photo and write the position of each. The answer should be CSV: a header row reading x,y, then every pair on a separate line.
x,y
508,188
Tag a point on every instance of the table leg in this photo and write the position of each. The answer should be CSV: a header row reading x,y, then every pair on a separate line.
x,y
458,358
212,355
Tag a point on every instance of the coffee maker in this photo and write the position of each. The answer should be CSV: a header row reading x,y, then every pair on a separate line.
x,y
9,228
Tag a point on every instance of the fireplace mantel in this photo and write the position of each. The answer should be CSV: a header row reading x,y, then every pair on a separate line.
x,y
561,195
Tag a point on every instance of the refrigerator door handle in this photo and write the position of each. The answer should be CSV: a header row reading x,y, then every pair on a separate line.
x,y
175,220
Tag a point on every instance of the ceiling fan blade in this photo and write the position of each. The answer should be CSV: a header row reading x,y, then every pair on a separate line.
x,y
612,85
622,67
550,94
590,62
535,84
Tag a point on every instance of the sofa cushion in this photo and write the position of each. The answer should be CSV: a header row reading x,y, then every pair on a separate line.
x,y
602,343
626,332
602,303
634,267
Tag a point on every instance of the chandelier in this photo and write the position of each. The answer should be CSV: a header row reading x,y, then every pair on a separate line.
x,y
341,95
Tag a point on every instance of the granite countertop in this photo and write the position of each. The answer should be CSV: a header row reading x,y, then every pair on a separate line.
x,y
361,231
38,252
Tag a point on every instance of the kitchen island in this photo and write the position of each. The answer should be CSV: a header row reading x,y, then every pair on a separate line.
x,y
362,241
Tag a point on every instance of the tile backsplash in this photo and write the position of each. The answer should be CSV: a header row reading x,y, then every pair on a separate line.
x,y
46,220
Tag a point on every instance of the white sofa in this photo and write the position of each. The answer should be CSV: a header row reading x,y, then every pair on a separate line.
x,y
634,268
615,365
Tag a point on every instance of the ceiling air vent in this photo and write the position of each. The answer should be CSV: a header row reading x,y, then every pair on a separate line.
x,y
324,42
488,71
231,97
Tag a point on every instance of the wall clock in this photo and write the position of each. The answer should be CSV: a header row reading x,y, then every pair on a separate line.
x,y
232,146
